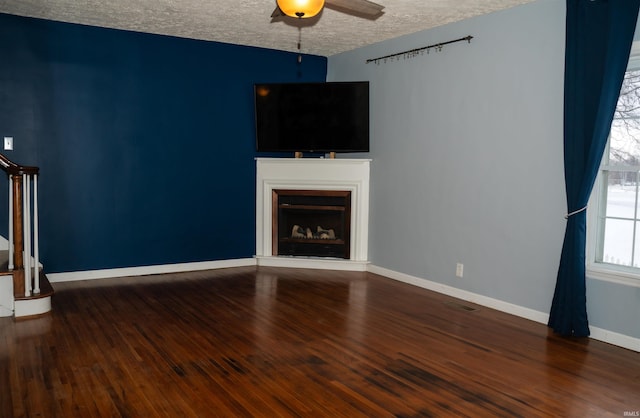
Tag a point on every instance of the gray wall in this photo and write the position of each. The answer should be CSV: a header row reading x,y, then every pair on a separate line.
x,y
468,160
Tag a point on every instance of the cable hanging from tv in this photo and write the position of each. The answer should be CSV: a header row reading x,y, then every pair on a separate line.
x,y
412,53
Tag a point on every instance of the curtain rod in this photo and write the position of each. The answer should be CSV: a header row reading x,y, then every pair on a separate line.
x,y
414,52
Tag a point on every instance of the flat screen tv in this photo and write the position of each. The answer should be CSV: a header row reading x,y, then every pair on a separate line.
x,y
312,117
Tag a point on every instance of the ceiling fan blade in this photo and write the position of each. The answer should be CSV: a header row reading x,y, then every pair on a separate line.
x,y
362,8
277,12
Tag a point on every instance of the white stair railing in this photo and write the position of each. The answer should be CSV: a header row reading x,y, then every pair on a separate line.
x,y
31,253
23,227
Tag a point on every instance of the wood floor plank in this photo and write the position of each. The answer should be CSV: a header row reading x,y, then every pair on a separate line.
x,y
269,342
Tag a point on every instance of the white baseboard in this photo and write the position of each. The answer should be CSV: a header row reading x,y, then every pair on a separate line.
x,y
145,270
615,338
296,262
599,334
6,295
312,263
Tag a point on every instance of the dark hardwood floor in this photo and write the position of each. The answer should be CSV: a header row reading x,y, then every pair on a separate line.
x,y
274,342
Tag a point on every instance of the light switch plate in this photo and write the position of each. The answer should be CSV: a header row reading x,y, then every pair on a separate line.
x,y
8,143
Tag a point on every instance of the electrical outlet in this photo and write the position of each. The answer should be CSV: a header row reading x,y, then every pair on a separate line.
x,y
459,269
8,143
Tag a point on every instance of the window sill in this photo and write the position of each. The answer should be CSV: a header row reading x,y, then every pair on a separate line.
x,y
614,274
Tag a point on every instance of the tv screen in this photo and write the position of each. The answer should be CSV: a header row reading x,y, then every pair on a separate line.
x,y
312,117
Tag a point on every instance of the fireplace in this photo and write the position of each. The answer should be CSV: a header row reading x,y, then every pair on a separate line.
x,y
311,223
320,183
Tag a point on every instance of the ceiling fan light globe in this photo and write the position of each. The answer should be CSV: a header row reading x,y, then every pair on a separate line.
x,y
300,8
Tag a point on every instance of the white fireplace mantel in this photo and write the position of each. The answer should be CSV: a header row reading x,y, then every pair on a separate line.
x,y
313,174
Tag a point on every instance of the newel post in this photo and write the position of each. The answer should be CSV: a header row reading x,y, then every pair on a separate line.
x,y
18,238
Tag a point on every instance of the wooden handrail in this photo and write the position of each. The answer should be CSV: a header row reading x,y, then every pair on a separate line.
x,y
15,169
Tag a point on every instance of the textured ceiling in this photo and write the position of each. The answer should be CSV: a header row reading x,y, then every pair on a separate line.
x,y
248,22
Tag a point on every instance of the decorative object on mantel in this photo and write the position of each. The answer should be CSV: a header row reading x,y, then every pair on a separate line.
x,y
299,154
412,53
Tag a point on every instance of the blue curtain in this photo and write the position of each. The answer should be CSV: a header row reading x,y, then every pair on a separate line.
x,y
599,34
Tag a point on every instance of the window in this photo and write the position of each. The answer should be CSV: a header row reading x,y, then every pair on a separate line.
x,y
615,227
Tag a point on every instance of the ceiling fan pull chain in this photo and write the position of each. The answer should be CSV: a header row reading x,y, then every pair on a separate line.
x,y
299,43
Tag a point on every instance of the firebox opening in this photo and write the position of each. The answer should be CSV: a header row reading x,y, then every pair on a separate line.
x,y
312,223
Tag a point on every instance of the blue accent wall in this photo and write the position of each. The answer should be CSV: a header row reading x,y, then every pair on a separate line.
x,y
145,143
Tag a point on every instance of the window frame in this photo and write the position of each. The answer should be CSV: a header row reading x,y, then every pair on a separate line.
x,y
627,275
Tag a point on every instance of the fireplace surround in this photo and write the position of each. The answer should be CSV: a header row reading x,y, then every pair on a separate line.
x,y
313,176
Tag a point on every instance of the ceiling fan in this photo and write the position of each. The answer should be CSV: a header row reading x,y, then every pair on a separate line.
x,y
308,8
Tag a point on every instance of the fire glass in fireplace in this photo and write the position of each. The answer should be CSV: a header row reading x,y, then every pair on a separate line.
x,y
311,223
